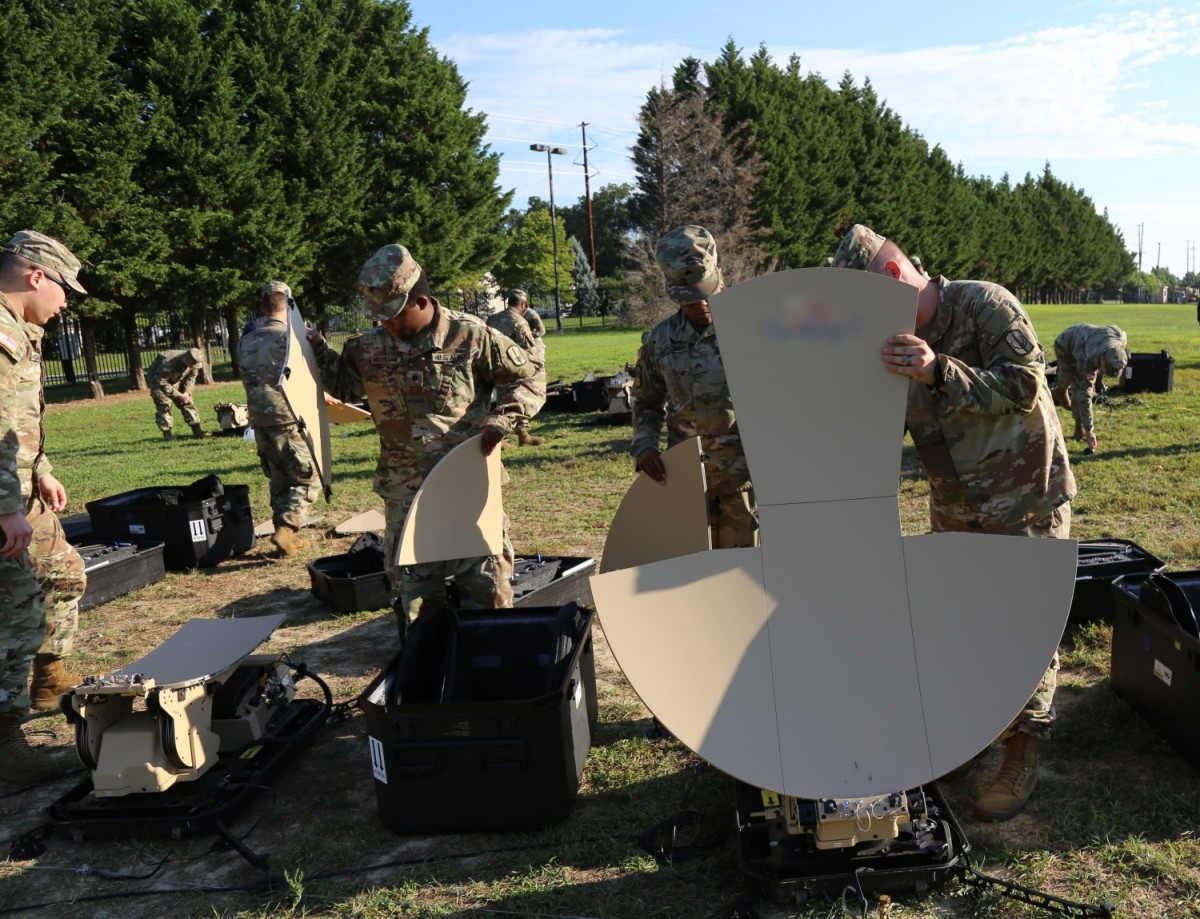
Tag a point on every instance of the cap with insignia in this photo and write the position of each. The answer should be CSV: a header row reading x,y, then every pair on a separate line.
x,y
688,258
386,278
858,247
47,253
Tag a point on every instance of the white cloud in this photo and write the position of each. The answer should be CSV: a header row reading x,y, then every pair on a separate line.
x,y
1057,94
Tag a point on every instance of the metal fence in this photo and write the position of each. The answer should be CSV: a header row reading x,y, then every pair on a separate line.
x,y
62,348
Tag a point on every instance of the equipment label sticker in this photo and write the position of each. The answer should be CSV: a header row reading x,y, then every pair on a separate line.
x,y
1162,671
137,528
198,532
378,768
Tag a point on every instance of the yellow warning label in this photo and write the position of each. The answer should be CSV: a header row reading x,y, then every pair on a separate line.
x,y
770,798
251,752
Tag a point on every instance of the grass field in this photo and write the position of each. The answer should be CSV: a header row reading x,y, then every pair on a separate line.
x,y
1113,819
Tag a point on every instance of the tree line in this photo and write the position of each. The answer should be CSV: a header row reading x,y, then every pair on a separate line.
x,y
190,149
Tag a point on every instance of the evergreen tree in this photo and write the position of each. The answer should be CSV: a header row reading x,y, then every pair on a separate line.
x,y
588,301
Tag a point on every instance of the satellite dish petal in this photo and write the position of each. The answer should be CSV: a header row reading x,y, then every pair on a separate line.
x,y
819,415
693,643
885,660
987,614
457,511
656,522
301,385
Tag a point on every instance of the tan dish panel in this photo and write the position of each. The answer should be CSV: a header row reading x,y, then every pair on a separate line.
x,y
202,648
465,517
371,521
819,414
301,385
340,412
655,522
884,660
690,635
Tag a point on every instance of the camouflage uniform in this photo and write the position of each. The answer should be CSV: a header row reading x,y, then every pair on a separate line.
x,y
511,323
282,450
45,582
170,378
679,381
1078,350
987,433
427,394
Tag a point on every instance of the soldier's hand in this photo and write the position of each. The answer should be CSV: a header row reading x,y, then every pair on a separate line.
x,y
17,534
313,335
1090,437
489,439
52,492
908,355
185,398
650,462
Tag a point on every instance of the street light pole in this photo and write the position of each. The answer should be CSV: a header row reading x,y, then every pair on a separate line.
x,y
553,225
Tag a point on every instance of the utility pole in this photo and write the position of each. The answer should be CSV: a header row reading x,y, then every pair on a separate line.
x,y
587,196
547,149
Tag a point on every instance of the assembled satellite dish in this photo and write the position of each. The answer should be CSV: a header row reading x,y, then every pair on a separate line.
x,y
840,658
661,521
457,511
300,382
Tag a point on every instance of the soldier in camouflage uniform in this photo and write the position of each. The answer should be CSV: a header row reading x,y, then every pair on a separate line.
x,y
428,374
282,450
41,575
1085,353
679,382
171,378
517,323
983,421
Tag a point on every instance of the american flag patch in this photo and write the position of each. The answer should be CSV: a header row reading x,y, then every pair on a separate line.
x,y
11,345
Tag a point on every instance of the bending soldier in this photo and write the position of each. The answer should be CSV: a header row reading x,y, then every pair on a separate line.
x,y
1085,353
171,378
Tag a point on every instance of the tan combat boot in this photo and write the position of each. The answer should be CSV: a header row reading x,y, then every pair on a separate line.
x,y
167,435
1014,783
19,762
525,439
49,681
198,432
287,541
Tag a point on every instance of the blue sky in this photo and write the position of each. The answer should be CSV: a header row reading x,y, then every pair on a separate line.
x,y
1106,90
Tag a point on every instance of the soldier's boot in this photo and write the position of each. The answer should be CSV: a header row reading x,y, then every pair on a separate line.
x,y
287,542
198,432
525,439
167,435
19,762
1014,782
49,681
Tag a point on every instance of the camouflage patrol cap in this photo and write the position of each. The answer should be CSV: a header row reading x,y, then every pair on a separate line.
x,y
275,287
688,258
857,248
1115,359
517,294
196,355
47,253
386,278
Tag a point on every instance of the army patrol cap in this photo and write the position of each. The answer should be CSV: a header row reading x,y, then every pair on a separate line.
x,y
274,287
1115,359
688,258
857,248
196,355
386,278
517,294
47,253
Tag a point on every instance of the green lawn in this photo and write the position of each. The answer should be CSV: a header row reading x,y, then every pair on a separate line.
x,y
1114,816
